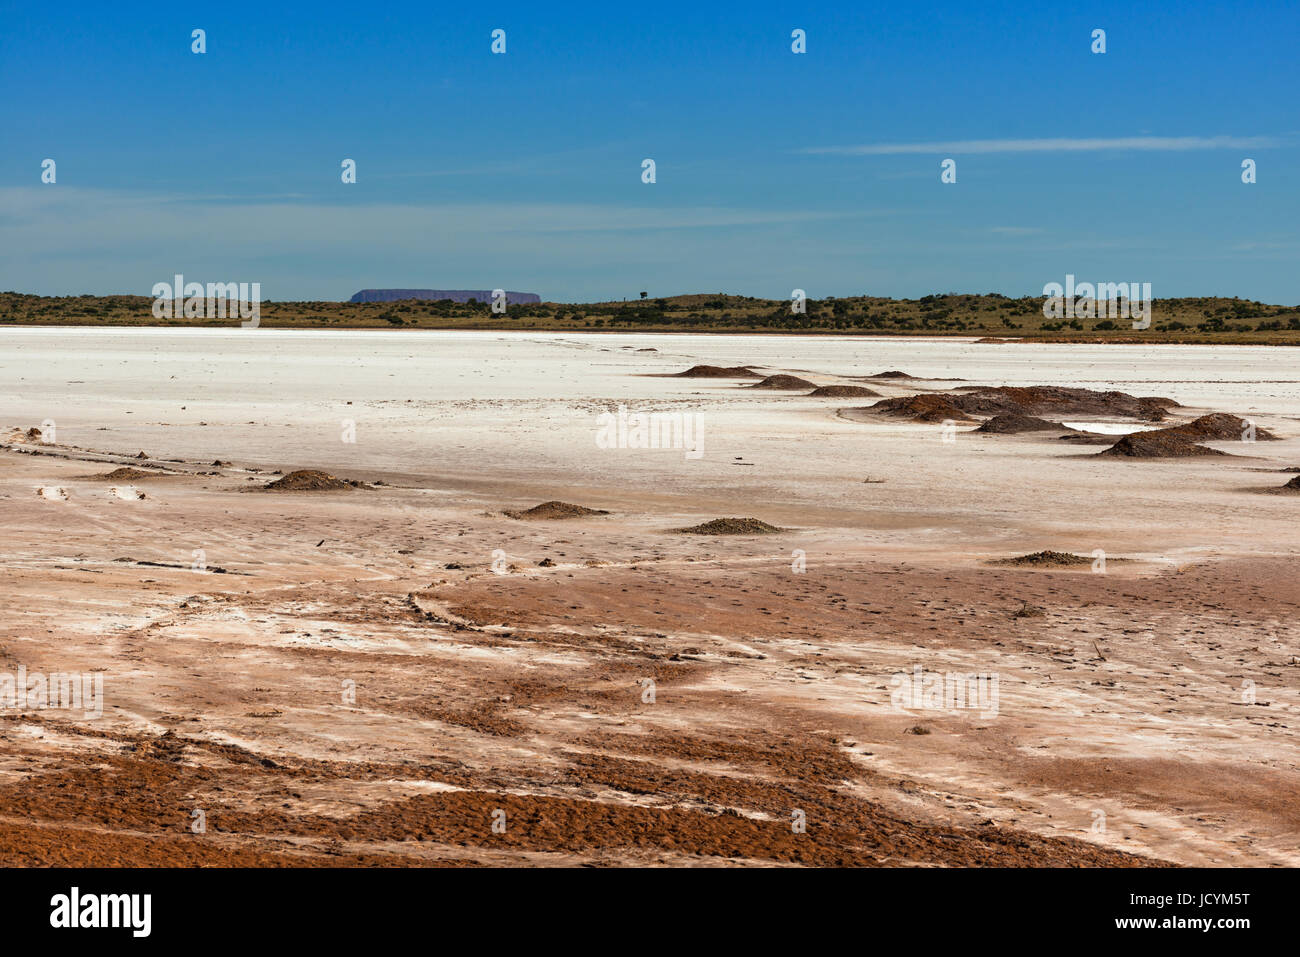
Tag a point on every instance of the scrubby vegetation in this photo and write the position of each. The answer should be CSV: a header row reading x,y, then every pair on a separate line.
x,y
1173,320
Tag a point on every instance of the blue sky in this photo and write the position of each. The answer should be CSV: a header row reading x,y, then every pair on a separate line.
x,y
774,170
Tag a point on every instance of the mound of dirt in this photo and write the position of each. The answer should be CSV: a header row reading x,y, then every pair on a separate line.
x,y
791,382
548,511
1010,423
1061,400
1179,441
921,408
719,372
732,526
125,473
891,374
311,480
844,392
1221,426
1293,485
1158,444
1045,558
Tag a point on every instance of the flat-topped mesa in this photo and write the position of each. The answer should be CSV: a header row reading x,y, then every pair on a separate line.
x,y
455,295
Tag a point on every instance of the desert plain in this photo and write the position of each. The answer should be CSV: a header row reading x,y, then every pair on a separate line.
x,y
410,668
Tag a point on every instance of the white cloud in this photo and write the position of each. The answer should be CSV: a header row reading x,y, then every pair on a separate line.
x,y
75,216
69,240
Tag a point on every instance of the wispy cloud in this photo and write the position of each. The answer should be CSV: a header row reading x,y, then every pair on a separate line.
x,y
72,216
68,240
1054,145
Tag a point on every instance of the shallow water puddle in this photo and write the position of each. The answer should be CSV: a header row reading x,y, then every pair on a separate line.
x,y
1110,428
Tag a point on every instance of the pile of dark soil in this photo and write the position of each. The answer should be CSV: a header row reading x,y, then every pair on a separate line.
x,y
1179,441
1026,402
843,392
1010,423
1159,444
125,473
1061,400
891,374
1045,558
549,511
791,382
1220,426
311,480
1290,488
732,526
719,372
921,408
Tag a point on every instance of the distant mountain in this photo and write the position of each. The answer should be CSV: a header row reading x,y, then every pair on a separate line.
x,y
455,295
